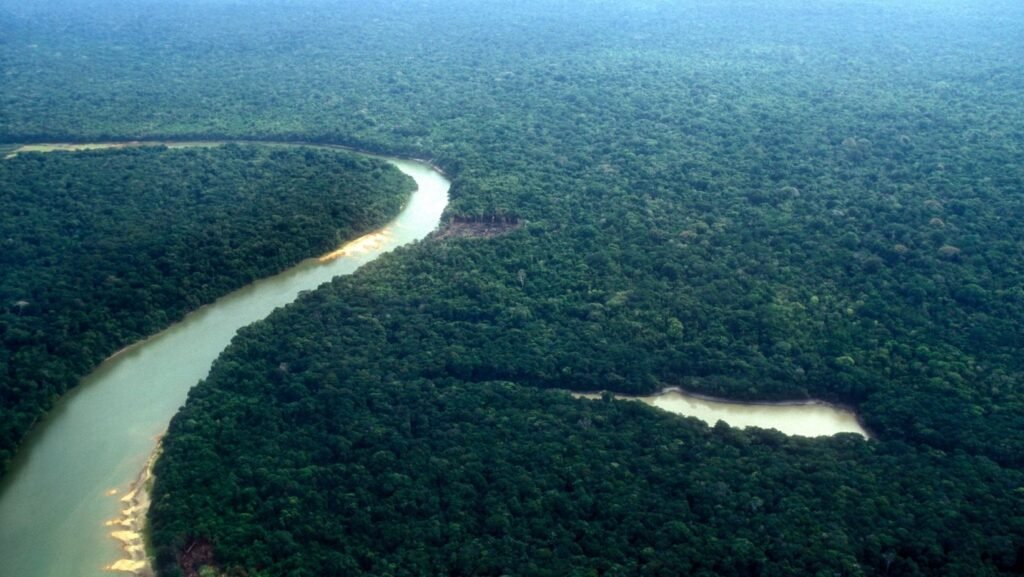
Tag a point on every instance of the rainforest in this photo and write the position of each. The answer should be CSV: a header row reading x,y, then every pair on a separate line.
x,y
770,201
103,248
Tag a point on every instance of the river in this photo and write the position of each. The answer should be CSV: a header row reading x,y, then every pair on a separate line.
x,y
81,459
78,462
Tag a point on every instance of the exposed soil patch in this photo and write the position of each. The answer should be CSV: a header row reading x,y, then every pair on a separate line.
x,y
196,555
477,227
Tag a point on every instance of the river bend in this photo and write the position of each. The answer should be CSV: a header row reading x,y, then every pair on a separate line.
x,y
74,467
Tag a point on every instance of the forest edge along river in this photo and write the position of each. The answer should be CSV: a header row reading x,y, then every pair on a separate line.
x,y
79,462
801,418
79,469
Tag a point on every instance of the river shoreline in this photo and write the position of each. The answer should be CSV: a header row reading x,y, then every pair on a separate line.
x,y
57,145
52,506
131,532
723,403
184,143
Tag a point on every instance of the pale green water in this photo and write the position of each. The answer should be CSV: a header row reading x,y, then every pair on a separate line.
x,y
54,502
810,419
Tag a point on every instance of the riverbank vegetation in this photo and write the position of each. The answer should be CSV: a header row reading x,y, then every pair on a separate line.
x,y
293,459
773,201
103,248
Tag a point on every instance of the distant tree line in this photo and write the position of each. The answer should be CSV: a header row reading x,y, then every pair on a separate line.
x,y
767,201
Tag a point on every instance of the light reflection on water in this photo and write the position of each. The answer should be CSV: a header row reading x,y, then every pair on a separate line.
x,y
810,419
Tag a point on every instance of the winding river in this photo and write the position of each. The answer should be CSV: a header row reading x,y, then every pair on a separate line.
x,y
75,466
79,463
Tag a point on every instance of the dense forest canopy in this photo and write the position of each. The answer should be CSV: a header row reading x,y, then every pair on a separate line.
x,y
752,200
103,248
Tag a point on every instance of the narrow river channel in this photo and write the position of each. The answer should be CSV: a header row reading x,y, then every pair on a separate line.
x,y
78,462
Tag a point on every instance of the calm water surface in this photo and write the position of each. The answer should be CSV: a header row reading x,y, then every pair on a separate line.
x,y
71,472
61,488
812,419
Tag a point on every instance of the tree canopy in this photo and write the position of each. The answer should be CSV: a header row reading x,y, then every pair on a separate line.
x,y
754,200
103,248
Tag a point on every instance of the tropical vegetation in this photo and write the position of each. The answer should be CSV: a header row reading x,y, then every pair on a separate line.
x,y
778,200
102,248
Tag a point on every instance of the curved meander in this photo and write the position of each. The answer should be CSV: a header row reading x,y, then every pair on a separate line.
x,y
78,465
74,468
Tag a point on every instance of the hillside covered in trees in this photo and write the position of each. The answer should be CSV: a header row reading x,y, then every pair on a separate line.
x,y
103,248
754,200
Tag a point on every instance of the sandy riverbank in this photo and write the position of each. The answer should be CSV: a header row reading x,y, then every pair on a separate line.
x,y
58,532
363,245
130,526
